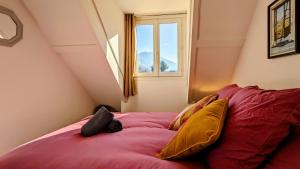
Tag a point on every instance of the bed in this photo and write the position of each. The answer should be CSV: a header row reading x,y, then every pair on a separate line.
x,y
143,135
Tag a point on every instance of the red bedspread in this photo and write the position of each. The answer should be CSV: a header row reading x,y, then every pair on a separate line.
x,y
143,136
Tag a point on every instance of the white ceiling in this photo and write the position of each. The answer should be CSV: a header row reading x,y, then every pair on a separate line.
x,y
63,22
217,42
223,27
153,6
69,32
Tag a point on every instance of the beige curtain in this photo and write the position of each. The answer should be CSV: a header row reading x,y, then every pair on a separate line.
x,y
129,80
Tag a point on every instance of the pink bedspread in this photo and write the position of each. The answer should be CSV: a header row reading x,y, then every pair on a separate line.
x,y
143,136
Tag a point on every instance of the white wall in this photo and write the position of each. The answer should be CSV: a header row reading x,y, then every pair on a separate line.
x,y
219,32
113,20
158,95
254,68
162,94
67,27
113,25
38,92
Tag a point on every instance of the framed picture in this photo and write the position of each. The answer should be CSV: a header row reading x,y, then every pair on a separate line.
x,y
282,28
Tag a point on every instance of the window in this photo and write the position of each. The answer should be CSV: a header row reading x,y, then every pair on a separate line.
x,y
159,45
145,49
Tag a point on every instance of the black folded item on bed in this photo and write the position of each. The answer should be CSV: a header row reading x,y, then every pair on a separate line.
x,y
101,121
114,126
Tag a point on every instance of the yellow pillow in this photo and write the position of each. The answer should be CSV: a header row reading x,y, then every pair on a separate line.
x,y
182,117
201,130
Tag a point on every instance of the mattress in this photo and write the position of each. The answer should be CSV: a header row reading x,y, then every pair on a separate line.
x,y
135,147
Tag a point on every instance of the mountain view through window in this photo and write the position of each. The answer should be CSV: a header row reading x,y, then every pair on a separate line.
x,y
168,48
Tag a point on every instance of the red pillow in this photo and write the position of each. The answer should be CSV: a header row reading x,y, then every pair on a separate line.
x,y
258,121
288,154
228,91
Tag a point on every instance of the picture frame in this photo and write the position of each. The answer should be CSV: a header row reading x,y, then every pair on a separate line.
x,y
283,28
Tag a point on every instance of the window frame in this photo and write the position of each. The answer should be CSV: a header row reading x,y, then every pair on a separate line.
x,y
156,21
147,22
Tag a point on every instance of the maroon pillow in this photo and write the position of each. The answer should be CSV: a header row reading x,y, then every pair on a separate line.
x,y
257,122
288,154
228,91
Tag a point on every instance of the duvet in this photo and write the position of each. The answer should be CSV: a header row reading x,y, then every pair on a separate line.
x,y
143,135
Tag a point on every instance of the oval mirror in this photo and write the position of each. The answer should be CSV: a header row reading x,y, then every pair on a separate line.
x,y
11,28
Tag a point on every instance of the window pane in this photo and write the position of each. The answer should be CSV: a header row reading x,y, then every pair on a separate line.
x,y
168,47
145,50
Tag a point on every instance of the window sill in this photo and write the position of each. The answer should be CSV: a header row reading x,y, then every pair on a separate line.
x,y
152,78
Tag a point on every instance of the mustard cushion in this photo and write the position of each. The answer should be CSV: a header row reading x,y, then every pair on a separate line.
x,y
182,117
201,130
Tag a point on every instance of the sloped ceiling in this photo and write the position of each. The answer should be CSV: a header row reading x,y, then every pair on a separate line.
x,y
152,6
69,32
219,31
